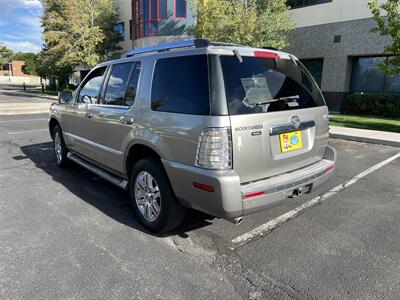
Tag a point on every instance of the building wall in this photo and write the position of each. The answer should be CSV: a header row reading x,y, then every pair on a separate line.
x,y
16,69
336,32
16,66
170,29
331,12
318,42
125,11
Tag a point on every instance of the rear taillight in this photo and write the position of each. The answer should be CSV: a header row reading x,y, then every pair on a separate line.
x,y
214,150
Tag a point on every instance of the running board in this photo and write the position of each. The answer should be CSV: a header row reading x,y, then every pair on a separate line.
x,y
122,183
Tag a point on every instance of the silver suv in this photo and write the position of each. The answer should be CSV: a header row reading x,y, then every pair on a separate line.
x,y
225,129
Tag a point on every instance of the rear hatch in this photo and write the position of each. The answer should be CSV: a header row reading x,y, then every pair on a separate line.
x,y
278,115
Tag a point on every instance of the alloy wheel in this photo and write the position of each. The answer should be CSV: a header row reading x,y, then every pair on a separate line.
x,y
147,196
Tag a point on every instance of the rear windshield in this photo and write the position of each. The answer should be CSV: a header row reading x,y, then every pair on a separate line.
x,y
259,85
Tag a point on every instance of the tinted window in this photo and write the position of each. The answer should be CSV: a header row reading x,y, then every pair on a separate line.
x,y
314,66
180,8
303,3
89,92
367,77
116,86
163,9
132,85
120,28
255,85
180,84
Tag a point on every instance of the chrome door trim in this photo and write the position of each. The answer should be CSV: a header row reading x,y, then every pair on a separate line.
x,y
91,143
112,106
289,127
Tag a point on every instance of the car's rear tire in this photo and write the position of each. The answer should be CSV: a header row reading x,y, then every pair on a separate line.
x,y
60,149
152,197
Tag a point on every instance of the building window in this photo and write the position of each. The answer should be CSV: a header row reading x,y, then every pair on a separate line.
x,y
314,66
147,14
180,8
367,77
302,3
163,9
120,28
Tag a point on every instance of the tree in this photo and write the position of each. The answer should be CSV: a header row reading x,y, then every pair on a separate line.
x,y
388,25
257,23
5,55
77,32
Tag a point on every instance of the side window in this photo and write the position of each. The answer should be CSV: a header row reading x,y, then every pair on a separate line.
x,y
132,85
180,85
90,90
117,82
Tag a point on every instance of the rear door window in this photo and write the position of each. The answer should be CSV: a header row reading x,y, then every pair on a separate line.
x,y
133,85
259,85
117,83
180,85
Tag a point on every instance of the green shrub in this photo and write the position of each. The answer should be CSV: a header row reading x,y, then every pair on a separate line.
x,y
371,105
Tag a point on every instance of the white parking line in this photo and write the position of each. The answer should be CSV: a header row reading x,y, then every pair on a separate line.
x,y
28,131
25,120
264,229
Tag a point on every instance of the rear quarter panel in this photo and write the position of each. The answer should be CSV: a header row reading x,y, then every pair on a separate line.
x,y
173,136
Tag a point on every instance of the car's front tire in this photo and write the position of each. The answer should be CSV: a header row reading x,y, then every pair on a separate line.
x,y
152,197
60,149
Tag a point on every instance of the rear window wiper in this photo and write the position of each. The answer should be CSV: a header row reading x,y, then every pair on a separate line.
x,y
286,99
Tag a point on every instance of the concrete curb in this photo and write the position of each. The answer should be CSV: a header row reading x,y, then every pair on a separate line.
x,y
30,112
364,139
42,96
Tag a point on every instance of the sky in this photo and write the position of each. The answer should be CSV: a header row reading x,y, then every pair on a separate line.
x,y
20,27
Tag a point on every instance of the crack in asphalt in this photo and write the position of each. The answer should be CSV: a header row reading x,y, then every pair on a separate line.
x,y
247,280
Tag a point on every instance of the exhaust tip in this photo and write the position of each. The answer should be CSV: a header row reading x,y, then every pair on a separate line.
x,y
237,221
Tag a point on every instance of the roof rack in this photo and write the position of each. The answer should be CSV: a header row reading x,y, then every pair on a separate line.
x,y
196,43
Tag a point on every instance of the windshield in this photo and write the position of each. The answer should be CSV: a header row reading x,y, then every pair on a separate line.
x,y
259,85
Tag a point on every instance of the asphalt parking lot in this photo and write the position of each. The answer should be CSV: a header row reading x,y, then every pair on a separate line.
x,y
69,234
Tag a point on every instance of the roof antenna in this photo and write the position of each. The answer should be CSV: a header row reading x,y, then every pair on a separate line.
x,y
238,56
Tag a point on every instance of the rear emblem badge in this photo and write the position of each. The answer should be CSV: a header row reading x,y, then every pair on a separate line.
x,y
295,122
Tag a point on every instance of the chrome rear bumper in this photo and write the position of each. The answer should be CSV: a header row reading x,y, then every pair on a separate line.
x,y
229,199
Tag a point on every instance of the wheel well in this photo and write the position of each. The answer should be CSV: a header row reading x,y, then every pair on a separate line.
x,y
136,153
53,123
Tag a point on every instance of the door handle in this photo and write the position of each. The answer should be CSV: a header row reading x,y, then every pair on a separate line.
x,y
126,120
88,115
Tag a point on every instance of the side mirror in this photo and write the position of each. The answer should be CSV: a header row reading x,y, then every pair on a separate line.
x,y
64,97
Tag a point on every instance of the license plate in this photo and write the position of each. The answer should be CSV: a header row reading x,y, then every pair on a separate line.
x,y
290,141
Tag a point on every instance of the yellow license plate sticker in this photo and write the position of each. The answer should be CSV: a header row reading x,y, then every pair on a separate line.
x,y
291,141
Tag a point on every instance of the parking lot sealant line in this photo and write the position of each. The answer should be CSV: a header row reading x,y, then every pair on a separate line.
x,y
28,131
265,228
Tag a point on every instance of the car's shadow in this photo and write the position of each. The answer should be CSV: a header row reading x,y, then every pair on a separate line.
x,y
109,199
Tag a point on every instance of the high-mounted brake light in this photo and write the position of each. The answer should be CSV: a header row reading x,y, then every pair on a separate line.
x,y
266,54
